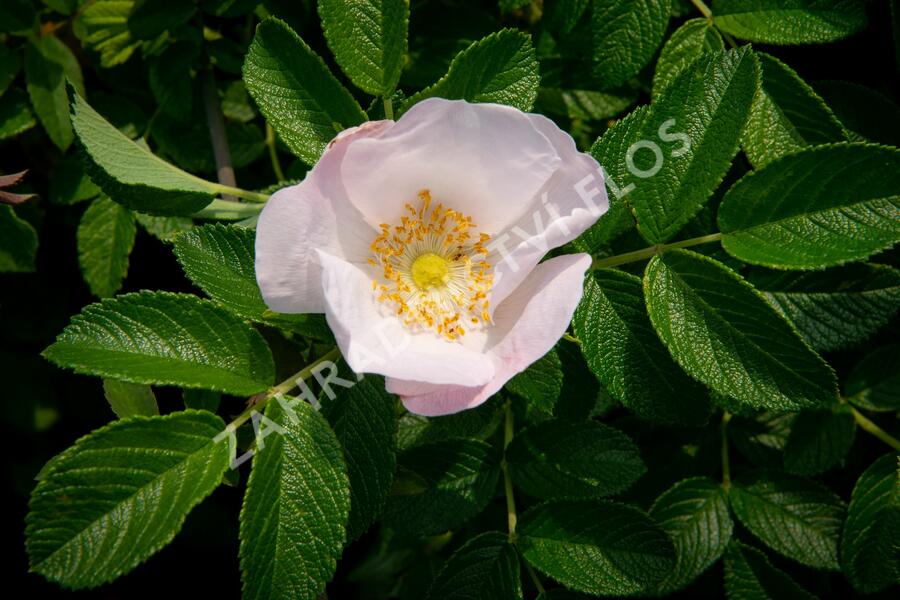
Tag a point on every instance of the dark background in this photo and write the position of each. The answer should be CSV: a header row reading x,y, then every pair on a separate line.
x,y
45,409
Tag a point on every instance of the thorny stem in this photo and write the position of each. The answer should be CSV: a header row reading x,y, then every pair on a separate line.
x,y
708,14
273,152
703,8
282,388
508,431
534,577
628,257
726,465
216,123
507,480
875,430
388,107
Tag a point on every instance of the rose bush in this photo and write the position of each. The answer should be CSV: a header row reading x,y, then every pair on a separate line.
x,y
351,272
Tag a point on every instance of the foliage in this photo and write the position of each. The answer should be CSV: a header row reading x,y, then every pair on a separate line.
x,y
719,421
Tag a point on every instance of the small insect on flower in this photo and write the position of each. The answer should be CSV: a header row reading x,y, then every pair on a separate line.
x,y
421,241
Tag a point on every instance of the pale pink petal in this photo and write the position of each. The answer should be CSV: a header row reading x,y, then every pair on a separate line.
x,y
355,236
527,325
449,399
561,214
374,340
295,221
298,219
484,160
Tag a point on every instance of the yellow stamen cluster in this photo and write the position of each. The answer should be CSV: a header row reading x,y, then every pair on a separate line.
x,y
434,271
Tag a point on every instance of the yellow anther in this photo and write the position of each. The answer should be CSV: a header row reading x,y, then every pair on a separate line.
x,y
433,271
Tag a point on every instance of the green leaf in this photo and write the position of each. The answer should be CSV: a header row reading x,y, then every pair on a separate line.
x,y
596,547
103,27
626,355
485,568
18,242
15,113
230,8
295,508
170,80
610,151
105,239
131,338
819,440
540,384
761,437
836,308
585,105
865,113
694,512
129,173
581,389
125,115
562,594
236,103
48,63
368,39
69,184
507,6
130,399
870,556
874,384
441,485
295,91
573,459
17,16
796,517
165,229
625,37
187,143
749,576
479,423
65,7
694,39
155,17
816,208
220,260
563,15
10,65
724,334
787,115
789,21
679,156
226,54
501,68
365,421
120,494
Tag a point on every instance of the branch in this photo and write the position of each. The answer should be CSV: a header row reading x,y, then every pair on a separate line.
x,y
216,122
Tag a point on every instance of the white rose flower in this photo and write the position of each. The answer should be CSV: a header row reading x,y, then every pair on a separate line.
x,y
420,241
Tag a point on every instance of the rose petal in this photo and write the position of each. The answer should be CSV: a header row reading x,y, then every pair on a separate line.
x,y
373,340
298,219
564,216
527,325
484,160
295,221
